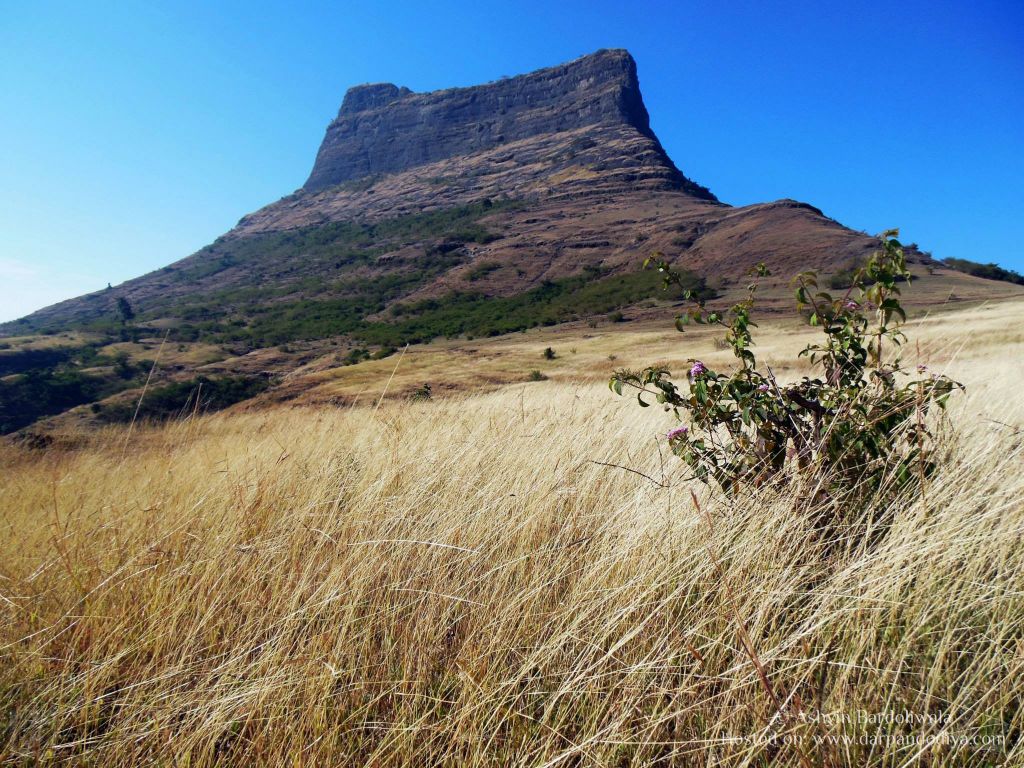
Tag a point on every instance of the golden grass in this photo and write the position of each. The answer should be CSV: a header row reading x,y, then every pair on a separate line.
x,y
34,341
457,582
171,353
591,354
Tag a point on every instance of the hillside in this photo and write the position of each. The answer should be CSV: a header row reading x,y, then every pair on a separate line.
x,y
466,212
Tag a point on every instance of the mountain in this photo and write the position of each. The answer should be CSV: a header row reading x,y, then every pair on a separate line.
x,y
467,211
489,190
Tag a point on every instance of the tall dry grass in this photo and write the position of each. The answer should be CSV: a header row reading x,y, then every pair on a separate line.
x,y
458,583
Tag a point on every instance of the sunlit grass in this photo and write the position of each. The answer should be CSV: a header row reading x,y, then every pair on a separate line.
x,y
458,582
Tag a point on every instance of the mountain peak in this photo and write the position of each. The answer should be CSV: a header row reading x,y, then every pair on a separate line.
x,y
360,98
385,129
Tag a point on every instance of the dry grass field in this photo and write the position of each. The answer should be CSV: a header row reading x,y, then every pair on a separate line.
x,y
938,329
464,582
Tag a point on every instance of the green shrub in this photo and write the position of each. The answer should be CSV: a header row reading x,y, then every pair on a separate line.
x,y
989,271
843,279
854,271
857,428
181,398
356,356
124,368
422,392
481,270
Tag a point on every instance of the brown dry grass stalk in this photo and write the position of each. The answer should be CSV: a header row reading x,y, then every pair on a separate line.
x,y
458,582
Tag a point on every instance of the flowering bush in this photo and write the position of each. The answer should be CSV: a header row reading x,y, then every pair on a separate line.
x,y
859,425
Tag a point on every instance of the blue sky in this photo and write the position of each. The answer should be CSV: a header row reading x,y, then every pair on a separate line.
x,y
135,133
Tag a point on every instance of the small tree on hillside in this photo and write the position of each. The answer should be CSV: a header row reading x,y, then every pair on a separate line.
x,y
857,428
124,309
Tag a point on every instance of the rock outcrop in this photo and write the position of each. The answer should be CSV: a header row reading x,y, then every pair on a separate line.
x,y
383,129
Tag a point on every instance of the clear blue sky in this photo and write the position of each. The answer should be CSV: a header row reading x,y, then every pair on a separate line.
x,y
135,133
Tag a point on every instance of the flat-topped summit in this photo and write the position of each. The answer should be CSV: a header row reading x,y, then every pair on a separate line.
x,y
359,98
385,129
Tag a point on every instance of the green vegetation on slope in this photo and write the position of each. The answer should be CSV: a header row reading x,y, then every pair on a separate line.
x,y
28,397
37,383
41,383
280,315
989,271
221,285
325,248
554,301
201,394
19,361
456,314
327,280
58,384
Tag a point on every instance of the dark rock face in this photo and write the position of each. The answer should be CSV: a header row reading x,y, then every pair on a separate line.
x,y
383,129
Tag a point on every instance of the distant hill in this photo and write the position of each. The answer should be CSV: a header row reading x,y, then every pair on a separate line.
x,y
469,211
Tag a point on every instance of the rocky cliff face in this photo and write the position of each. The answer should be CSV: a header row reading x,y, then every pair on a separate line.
x,y
383,129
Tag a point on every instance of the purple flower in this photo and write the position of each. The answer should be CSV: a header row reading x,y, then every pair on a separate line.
x,y
763,388
921,367
697,369
852,306
678,432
